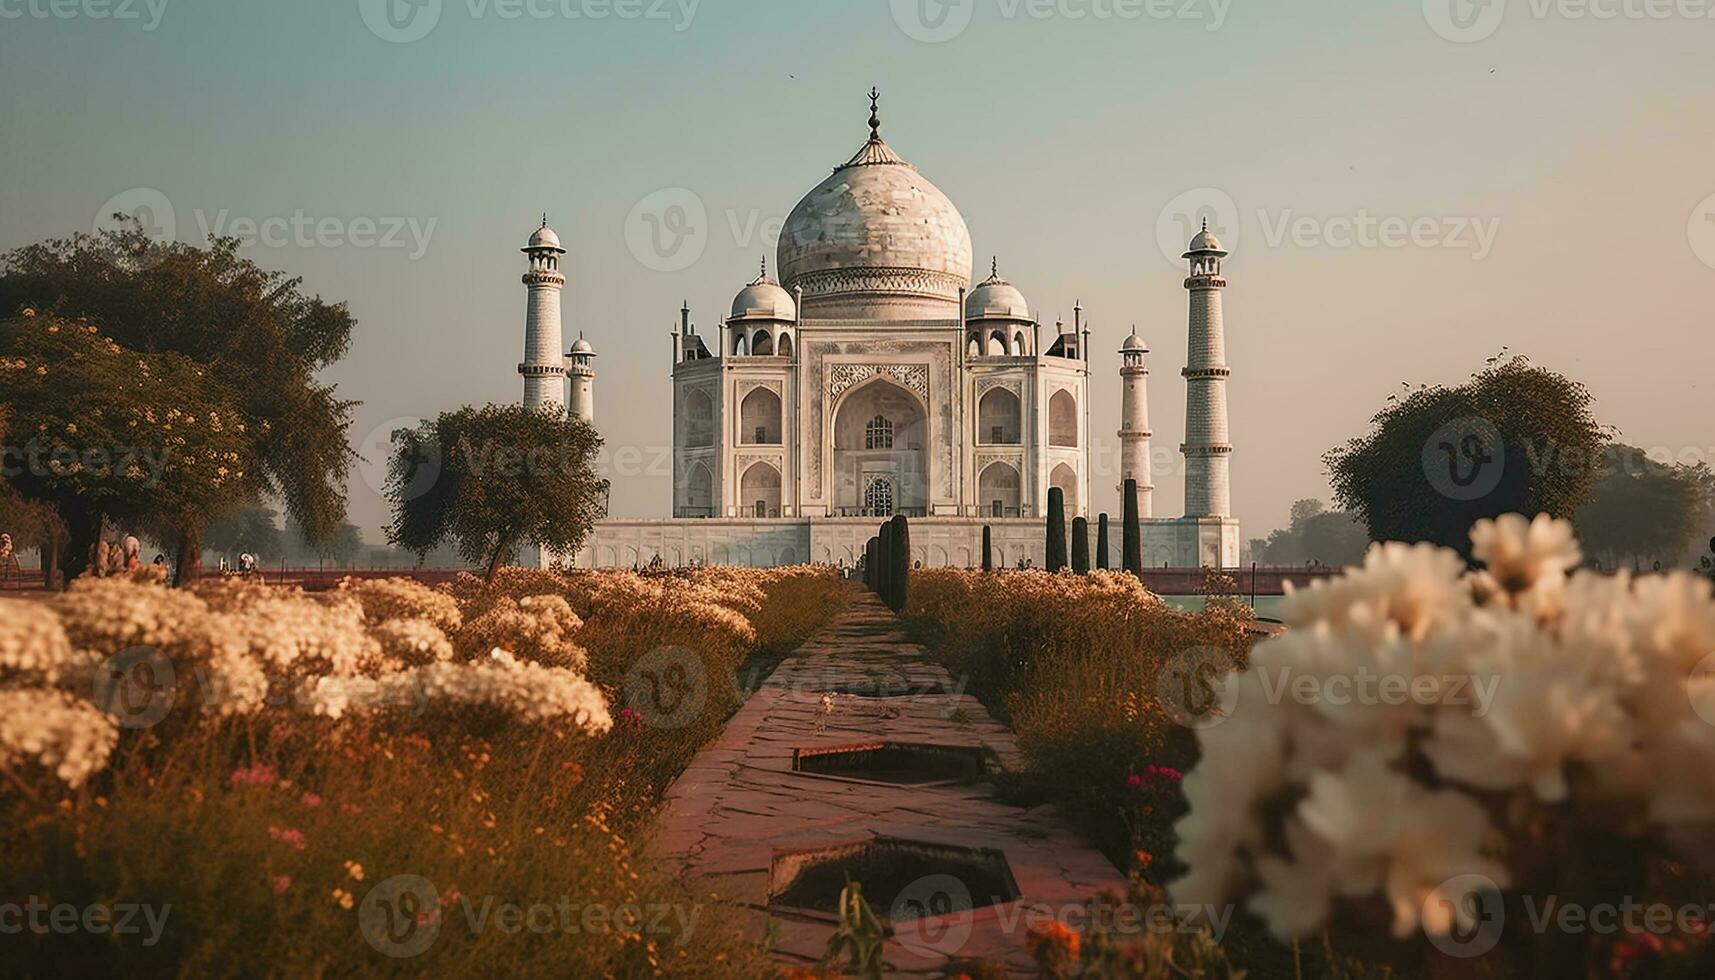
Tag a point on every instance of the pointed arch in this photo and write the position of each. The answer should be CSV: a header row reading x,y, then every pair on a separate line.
x,y
998,490
759,418
1000,418
1066,478
759,491
699,418
1063,419
761,344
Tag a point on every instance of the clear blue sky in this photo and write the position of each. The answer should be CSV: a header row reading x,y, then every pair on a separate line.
x,y
1582,145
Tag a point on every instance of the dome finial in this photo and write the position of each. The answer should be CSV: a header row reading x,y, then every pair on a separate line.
x,y
994,267
874,113
765,265
1205,222
544,219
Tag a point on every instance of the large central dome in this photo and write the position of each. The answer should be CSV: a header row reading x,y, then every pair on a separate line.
x,y
876,240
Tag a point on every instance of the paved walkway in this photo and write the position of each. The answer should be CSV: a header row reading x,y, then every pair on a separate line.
x,y
740,807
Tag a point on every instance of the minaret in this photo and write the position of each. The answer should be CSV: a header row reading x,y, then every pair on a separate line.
x,y
581,368
1207,448
544,367
1134,422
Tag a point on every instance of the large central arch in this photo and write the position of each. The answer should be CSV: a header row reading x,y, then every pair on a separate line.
x,y
881,443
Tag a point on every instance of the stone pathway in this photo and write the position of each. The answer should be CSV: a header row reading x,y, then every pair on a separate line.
x,y
740,807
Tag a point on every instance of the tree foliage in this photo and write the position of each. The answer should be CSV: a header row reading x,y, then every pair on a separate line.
x,y
1516,438
1316,535
1644,510
151,439
252,328
493,480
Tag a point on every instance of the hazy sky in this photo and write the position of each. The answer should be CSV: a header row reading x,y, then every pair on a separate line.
x,y
1412,183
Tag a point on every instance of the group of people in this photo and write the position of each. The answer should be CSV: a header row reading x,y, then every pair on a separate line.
x,y
121,556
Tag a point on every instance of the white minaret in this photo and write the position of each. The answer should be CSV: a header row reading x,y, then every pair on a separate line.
x,y
544,367
1207,448
580,367
1134,422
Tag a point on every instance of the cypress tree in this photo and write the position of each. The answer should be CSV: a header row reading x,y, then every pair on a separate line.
x,y
871,555
1056,530
901,562
883,563
1080,546
988,548
1132,537
1102,543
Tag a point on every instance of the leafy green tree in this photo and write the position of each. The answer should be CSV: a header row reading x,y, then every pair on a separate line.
x,y
1642,510
254,329
495,479
254,528
1316,535
151,440
1516,438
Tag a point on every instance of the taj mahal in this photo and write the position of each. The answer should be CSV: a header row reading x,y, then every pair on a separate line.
x,y
872,378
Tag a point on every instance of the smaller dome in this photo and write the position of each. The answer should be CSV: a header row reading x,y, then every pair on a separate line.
x,y
544,238
764,299
582,346
1205,242
995,298
1134,343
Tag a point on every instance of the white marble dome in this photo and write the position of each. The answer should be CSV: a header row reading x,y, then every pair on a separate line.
x,y
764,298
876,227
995,298
1205,241
544,237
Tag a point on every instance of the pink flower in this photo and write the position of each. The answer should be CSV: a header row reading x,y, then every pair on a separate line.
x,y
350,808
255,776
279,883
311,800
1134,780
290,836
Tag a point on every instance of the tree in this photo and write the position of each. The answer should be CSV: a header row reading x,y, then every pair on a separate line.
x,y
1317,535
900,552
151,440
1131,534
494,479
1102,542
988,548
253,528
253,329
1056,530
1080,546
1516,438
1642,510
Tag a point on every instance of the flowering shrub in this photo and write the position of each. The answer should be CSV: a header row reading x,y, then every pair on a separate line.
x,y
1551,734
317,746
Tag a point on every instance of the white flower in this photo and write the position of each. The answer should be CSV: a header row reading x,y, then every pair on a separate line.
x,y
1522,555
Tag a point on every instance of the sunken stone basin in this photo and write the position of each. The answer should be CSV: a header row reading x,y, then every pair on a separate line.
x,y
898,763
902,879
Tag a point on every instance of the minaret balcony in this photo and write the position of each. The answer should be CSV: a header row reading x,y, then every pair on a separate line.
x,y
1206,374
1205,282
539,277
542,370
1206,450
